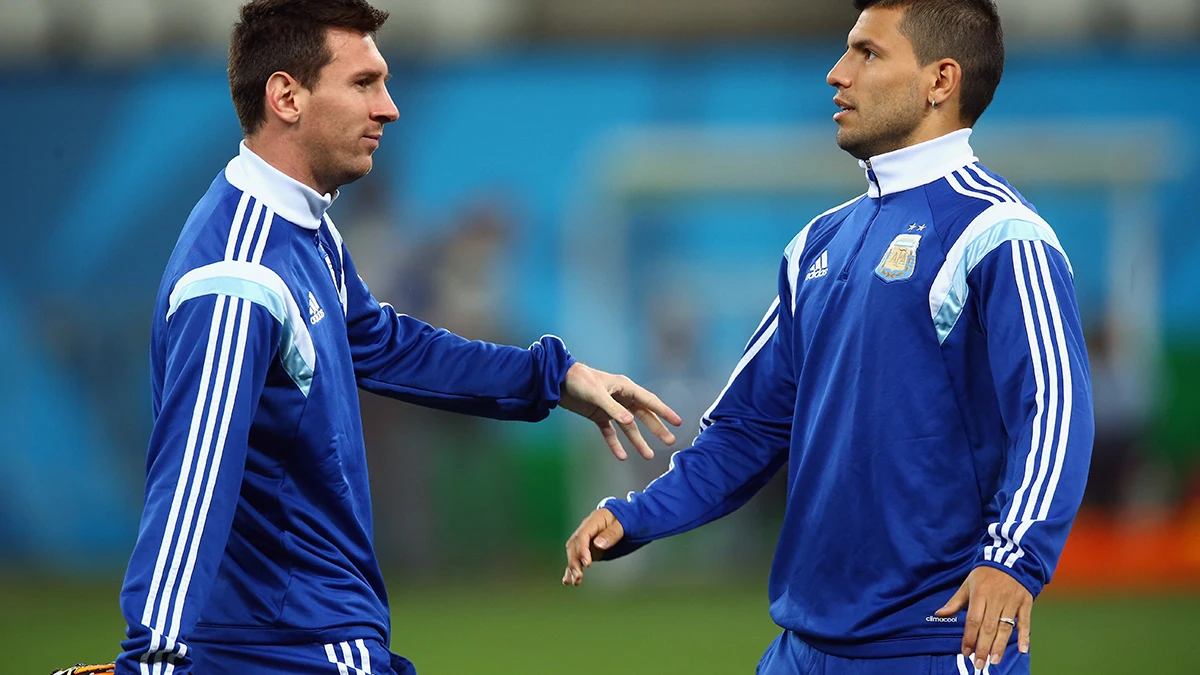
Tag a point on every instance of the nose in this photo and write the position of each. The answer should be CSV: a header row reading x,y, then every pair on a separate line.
x,y
386,112
839,75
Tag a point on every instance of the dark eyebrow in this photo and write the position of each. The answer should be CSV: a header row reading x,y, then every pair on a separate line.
x,y
372,74
866,45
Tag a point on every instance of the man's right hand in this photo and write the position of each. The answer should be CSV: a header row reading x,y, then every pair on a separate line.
x,y
595,535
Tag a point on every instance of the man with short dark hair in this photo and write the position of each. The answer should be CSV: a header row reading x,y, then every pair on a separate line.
x,y
255,553
922,371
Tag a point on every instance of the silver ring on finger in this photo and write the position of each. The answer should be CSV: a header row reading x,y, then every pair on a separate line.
x,y
1011,622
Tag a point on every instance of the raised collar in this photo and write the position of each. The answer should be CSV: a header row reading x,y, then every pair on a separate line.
x,y
919,164
289,198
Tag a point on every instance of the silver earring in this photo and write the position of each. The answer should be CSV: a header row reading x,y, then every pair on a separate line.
x,y
934,104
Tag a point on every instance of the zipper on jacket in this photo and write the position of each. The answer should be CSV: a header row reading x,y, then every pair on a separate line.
x,y
863,237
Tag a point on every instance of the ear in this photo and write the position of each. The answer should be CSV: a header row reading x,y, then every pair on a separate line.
x,y
286,98
945,78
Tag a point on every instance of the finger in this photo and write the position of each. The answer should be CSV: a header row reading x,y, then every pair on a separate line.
x,y
635,436
577,569
956,602
581,542
573,565
975,607
572,561
1003,633
646,399
613,441
655,425
987,633
1024,619
612,408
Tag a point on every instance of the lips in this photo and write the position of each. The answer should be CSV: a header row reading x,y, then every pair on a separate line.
x,y
844,108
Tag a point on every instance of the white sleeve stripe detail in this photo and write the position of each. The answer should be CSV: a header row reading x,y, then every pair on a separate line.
x,y
197,415
1064,420
1064,362
1043,293
1052,369
189,450
193,465
236,226
268,220
766,317
215,468
985,177
345,660
201,472
706,420
763,339
974,184
990,553
958,187
243,252
332,656
204,472
365,655
793,254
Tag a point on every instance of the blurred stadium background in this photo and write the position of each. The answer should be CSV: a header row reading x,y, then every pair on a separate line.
x,y
624,174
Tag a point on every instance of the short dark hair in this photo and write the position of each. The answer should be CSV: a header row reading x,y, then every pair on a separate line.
x,y
288,36
967,31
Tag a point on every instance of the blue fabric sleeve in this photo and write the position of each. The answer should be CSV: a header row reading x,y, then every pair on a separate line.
x,y
218,352
398,356
744,440
1039,364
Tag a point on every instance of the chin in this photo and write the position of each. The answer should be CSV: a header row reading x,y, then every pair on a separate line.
x,y
854,146
353,173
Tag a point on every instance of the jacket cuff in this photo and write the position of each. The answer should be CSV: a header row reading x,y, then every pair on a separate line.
x,y
1032,584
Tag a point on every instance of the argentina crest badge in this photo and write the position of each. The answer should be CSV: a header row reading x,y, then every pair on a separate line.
x,y
900,260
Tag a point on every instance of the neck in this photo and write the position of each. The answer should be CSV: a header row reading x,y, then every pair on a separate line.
x,y
288,160
937,123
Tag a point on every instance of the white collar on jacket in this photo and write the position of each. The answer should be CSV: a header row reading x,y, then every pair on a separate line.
x,y
289,198
919,164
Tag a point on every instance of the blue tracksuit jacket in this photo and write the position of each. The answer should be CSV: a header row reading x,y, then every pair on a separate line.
x,y
257,524
923,374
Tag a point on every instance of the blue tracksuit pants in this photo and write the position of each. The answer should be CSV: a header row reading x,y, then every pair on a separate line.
x,y
789,655
357,657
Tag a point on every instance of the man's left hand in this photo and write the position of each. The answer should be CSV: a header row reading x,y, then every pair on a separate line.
x,y
990,595
605,398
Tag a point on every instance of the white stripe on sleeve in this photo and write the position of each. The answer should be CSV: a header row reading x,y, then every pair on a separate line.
x,y
990,553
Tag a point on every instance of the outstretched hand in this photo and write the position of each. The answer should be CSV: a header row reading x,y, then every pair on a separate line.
x,y
605,398
992,598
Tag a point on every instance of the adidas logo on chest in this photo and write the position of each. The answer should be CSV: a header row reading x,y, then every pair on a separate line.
x,y
819,268
315,313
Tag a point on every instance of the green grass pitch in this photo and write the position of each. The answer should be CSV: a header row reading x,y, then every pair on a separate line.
x,y
547,629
